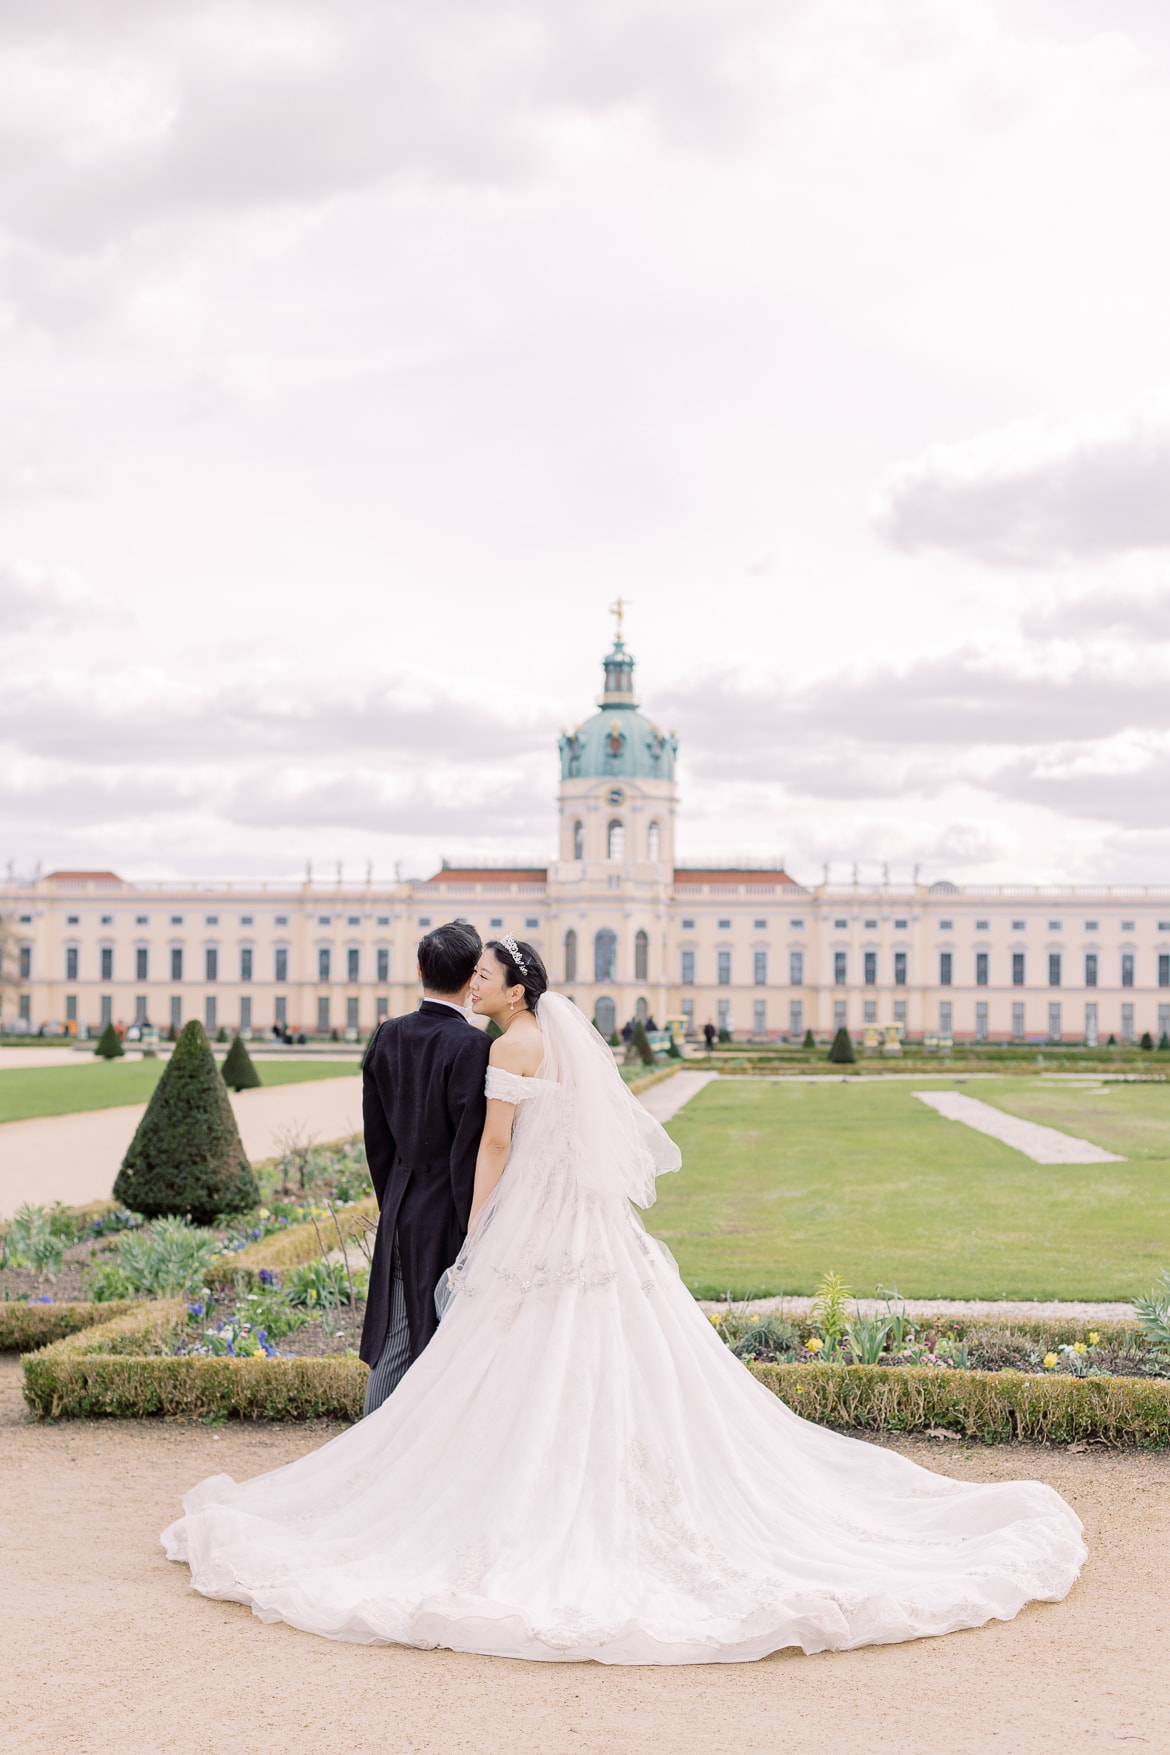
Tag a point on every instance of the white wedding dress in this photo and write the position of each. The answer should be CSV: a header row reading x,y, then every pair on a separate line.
x,y
577,1467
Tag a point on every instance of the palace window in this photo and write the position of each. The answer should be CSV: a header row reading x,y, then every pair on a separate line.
x,y
323,1016
981,968
1054,1022
324,963
1017,1020
280,971
383,962
578,840
245,963
211,964
1090,968
724,968
615,839
653,843
641,956
1127,970
210,1014
605,1016
353,963
141,964
760,1017
760,968
605,956
107,958
71,955
796,968
25,962
840,968
351,1012
795,1018
945,1018
688,969
945,968
871,968
981,1021
245,1013
176,962
1053,970
899,970
1017,968
1163,969
571,955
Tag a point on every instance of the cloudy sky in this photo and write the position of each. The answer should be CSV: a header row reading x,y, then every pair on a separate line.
x,y
354,355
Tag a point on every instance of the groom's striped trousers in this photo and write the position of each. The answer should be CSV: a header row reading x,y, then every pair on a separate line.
x,y
395,1355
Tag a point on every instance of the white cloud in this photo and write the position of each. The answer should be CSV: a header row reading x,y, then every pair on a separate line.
x,y
1039,492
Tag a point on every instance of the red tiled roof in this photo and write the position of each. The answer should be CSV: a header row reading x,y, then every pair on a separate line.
x,y
83,877
696,875
474,874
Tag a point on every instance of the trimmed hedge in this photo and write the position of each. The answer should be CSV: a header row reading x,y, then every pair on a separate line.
x,y
992,1406
24,1327
119,1369
186,1156
289,1248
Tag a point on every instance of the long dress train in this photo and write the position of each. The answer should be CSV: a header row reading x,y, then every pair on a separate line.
x,y
577,1467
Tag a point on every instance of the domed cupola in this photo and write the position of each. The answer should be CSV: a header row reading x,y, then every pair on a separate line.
x,y
619,742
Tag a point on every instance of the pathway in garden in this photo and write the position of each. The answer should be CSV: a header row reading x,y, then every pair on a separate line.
x,y
108,1652
665,1100
74,1158
1044,1145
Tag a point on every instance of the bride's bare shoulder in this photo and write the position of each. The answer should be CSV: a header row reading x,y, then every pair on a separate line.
x,y
519,1050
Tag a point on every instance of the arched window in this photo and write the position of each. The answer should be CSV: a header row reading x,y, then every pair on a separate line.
x,y
616,839
653,843
578,839
641,956
570,955
605,1017
605,955
641,1011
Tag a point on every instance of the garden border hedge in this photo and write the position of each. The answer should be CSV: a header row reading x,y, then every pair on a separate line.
x,y
111,1370
25,1325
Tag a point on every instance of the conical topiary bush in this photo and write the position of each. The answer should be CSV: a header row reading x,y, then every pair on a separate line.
x,y
109,1044
841,1053
810,1040
239,1072
187,1156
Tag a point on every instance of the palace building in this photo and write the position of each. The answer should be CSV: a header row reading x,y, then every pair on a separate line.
x,y
624,928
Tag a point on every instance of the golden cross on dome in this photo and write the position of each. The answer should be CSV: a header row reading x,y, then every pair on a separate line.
x,y
618,609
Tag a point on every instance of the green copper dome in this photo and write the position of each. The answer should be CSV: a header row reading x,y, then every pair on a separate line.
x,y
618,742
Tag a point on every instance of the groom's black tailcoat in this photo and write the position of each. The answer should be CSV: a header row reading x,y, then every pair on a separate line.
x,y
423,1107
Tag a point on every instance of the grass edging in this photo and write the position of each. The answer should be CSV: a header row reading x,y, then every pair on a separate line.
x,y
118,1369
25,1326
289,1248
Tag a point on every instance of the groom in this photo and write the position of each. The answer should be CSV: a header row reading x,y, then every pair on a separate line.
x,y
423,1107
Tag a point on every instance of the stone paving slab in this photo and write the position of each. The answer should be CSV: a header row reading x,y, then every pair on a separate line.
x,y
1044,1145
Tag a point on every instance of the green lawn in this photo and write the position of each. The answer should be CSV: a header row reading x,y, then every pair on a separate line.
x,y
102,1084
781,1182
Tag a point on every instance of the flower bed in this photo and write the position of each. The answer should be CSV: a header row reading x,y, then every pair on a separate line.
x,y
131,1367
293,1246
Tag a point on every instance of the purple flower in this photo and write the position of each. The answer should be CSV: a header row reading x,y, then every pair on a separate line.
x,y
44,1299
197,1309
268,1278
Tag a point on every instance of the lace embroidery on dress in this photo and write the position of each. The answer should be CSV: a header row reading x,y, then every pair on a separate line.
x,y
508,1087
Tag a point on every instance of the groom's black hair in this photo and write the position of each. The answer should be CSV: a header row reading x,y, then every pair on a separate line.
x,y
447,956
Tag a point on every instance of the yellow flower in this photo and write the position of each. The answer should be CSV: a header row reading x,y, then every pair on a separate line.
x,y
1079,1347
1051,1360
813,1345
714,1318
263,1212
1094,1337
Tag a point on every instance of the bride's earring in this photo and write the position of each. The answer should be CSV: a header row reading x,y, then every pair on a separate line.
x,y
511,1007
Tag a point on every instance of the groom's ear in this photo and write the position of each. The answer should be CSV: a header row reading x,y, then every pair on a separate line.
x,y
418,970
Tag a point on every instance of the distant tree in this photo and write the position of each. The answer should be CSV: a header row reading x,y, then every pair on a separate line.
x,y
639,1047
1112,1042
187,1156
1163,1043
725,1035
841,1053
239,1072
810,1040
1147,1042
615,1040
109,1044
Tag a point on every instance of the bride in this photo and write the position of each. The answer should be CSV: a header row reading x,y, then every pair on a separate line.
x,y
576,1466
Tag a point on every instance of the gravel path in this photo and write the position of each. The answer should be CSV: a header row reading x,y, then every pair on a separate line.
x,y
75,1158
665,1100
1048,1312
1044,1145
108,1651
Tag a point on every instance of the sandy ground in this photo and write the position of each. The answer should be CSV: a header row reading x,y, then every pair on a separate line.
x,y
107,1649
75,1158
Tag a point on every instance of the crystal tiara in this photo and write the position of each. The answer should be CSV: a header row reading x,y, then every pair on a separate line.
x,y
514,951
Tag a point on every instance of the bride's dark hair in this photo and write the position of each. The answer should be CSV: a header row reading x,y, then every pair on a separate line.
x,y
533,977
